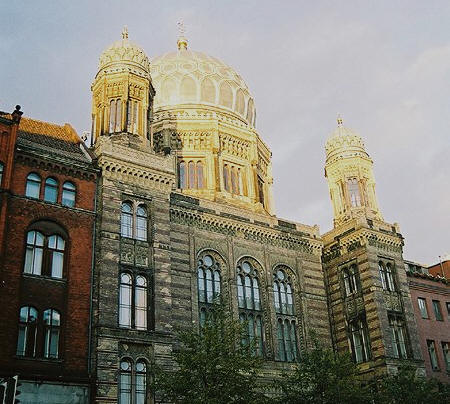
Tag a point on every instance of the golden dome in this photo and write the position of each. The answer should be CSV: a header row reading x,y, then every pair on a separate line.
x,y
195,79
124,55
344,142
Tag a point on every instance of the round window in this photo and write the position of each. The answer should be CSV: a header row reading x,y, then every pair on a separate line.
x,y
280,275
207,260
246,267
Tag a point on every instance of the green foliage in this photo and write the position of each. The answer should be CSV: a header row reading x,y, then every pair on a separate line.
x,y
407,388
213,366
322,377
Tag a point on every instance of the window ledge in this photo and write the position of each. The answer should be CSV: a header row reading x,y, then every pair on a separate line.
x,y
45,277
42,360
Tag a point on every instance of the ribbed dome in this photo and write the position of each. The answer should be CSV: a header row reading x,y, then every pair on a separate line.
x,y
188,77
124,55
344,142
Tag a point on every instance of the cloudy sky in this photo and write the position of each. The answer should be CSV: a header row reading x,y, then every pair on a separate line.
x,y
384,65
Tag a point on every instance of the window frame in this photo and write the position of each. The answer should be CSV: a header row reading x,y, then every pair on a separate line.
x,y
133,308
423,309
25,324
359,339
387,276
51,185
433,356
209,290
48,333
397,323
33,178
133,374
66,189
351,280
437,310
132,220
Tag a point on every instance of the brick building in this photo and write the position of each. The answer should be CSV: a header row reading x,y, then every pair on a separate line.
x,y
442,268
430,295
46,237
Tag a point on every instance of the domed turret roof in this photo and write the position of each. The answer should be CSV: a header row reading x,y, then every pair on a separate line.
x,y
186,77
344,142
124,55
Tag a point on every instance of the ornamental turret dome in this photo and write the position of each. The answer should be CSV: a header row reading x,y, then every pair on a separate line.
x,y
344,142
124,55
194,79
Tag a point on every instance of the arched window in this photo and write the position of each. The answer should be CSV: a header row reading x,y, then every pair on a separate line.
x,y
68,194
234,181
141,223
33,187
226,95
141,382
115,116
1,173
188,89
44,254
133,382
226,177
125,300
286,320
387,276
200,184
51,190
52,323
192,182
132,116
208,282
353,190
126,220
249,302
26,341
125,384
56,246
351,280
208,91
240,182
34,253
359,339
182,175
133,292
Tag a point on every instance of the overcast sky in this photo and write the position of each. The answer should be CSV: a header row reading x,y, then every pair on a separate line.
x,y
384,65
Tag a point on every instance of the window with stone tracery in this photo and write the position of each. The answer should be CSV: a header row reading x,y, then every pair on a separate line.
x,y
249,303
191,174
208,283
286,321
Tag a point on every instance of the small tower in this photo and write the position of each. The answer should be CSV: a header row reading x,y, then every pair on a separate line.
x,y
122,92
349,172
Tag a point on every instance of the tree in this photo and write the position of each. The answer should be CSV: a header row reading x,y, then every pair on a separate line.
x,y
406,387
322,376
212,365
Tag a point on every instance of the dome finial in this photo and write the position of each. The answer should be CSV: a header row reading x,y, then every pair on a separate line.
x,y
125,32
182,41
340,121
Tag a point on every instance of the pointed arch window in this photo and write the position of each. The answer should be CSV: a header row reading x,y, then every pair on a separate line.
x,y
249,303
26,341
52,323
192,176
286,321
33,187
208,283
68,194
51,190
387,276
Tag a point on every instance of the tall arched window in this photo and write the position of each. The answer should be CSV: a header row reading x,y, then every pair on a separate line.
x,y
33,187
51,190
226,178
115,116
126,220
68,194
133,382
182,175
26,341
141,223
286,320
208,282
351,280
132,116
125,300
359,339
353,191
249,302
52,323
133,297
234,181
200,184
387,276
192,182
34,253
125,384
56,247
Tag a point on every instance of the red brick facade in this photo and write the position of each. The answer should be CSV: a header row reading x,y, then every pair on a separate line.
x,y
434,329
63,159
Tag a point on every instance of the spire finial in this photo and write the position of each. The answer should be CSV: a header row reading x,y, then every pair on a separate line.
x,y
125,32
182,41
340,121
